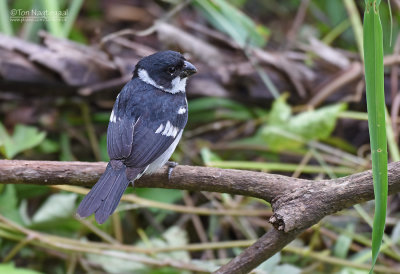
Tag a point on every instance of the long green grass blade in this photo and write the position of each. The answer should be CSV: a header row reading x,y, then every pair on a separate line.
x,y
374,78
355,22
5,24
53,21
73,9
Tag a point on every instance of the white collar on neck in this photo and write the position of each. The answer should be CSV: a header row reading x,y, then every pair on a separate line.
x,y
177,84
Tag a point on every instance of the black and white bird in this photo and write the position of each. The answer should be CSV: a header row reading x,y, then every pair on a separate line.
x,y
145,126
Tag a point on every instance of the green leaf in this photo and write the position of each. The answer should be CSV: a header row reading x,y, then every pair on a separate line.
x,y
66,152
49,146
316,124
286,268
291,132
9,204
374,79
280,112
209,109
23,138
280,138
174,236
208,156
10,268
343,243
349,270
209,103
113,264
66,227
57,206
270,264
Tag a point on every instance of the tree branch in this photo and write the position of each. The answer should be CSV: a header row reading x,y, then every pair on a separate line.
x,y
254,184
298,204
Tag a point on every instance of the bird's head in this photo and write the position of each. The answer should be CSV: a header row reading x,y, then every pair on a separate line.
x,y
166,70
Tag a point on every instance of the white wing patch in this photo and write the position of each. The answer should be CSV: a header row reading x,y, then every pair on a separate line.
x,y
160,128
113,118
166,130
182,110
169,130
177,84
175,131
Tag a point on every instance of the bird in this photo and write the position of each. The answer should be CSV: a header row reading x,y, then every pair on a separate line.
x,y
146,124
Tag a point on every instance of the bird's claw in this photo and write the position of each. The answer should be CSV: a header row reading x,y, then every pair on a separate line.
x,y
171,165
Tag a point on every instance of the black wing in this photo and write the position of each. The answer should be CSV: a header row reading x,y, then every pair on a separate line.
x,y
132,134
149,145
120,130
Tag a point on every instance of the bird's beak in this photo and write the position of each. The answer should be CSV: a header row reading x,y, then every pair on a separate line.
x,y
188,69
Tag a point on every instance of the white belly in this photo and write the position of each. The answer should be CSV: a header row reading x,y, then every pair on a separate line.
x,y
160,161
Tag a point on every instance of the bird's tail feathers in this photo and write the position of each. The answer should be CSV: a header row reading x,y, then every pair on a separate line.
x,y
104,197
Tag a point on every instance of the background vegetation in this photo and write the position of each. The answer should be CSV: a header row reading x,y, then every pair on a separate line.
x,y
280,89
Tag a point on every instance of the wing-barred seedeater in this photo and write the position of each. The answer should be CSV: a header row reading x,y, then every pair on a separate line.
x,y
145,126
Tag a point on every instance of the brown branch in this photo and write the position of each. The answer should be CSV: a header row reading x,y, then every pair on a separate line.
x,y
265,247
254,184
304,206
298,204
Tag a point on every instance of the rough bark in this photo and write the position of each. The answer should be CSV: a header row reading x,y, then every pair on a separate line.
x,y
255,184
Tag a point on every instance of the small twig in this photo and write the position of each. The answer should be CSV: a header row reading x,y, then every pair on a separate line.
x,y
304,161
345,77
139,201
72,262
261,73
109,84
17,248
197,224
117,227
50,241
336,261
298,20
98,231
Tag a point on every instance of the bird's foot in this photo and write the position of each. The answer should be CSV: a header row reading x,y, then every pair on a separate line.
x,y
171,165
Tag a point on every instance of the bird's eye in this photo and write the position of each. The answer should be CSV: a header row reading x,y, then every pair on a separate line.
x,y
171,70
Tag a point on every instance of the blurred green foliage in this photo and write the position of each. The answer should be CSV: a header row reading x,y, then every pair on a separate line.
x,y
23,138
263,138
286,132
210,109
10,268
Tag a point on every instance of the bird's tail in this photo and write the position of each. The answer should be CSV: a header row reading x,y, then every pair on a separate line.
x,y
104,197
